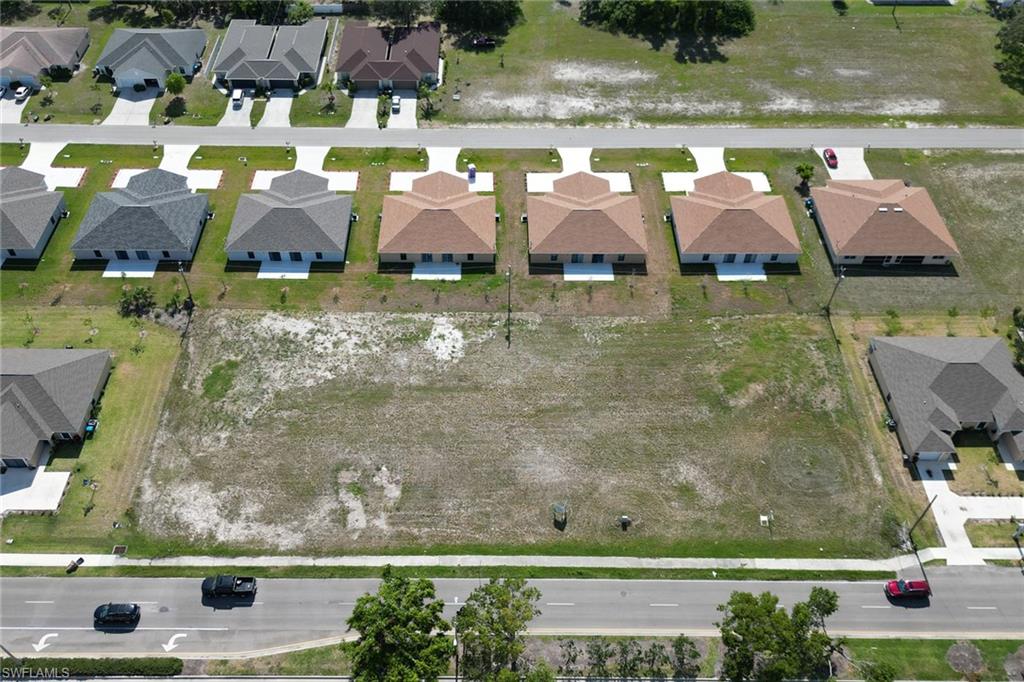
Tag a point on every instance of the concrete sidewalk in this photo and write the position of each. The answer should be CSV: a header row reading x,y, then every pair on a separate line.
x,y
473,560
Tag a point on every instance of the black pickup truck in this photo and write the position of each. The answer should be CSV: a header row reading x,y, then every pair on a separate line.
x,y
229,586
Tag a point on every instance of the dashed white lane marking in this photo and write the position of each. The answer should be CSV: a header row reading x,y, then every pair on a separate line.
x,y
560,603
875,606
983,608
33,627
665,605
38,602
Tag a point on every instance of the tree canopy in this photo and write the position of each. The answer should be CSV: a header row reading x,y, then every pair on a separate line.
x,y
492,16
1011,44
763,642
300,12
175,83
659,20
398,12
492,624
402,636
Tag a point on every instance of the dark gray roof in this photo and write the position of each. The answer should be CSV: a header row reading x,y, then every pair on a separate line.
x,y
156,211
44,392
252,51
30,50
938,383
152,51
297,213
26,207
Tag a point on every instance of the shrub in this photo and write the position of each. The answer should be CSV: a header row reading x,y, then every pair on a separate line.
x,y
72,667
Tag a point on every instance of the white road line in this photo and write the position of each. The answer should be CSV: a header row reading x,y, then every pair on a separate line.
x,y
35,627
147,602
257,602
38,602
875,606
983,608
560,603
667,605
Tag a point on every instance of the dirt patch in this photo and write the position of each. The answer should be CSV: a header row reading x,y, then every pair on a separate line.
x,y
586,72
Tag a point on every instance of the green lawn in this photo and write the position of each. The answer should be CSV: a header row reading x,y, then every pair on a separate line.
x,y
327,660
144,355
13,153
314,108
990,533
259,106
980,471
804,64
204,105
665,160
925,659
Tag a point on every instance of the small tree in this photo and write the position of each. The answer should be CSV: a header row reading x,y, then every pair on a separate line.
x,y
300,12
685,657
175,83
806,172
880,671
655,660
599,652
492,624
629,659
570,665
401,632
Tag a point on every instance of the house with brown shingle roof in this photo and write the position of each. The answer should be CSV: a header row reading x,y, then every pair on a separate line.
x,y
881,222
583,221
25,53
439,221
723,220
377,58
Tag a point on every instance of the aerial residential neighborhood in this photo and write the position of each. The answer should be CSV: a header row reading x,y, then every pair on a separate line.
x,y
512,340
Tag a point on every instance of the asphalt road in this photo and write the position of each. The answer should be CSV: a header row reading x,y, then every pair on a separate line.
x,y
289,614
527,138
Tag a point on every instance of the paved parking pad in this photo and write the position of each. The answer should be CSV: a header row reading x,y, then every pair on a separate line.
x,y
364,111
278,111
851,163
132,108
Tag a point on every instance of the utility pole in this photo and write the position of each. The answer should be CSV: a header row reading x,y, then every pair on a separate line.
x,y
839,279
910,534
189,302
508,317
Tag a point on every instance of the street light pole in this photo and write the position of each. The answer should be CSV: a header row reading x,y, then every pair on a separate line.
x,y
508,317
190,302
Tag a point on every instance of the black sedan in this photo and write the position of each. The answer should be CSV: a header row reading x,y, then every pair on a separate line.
x,y
117,614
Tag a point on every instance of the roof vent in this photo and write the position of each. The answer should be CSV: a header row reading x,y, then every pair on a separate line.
x,y
883,209
898,209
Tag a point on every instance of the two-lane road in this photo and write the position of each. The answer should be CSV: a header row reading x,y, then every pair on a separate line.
x,y
57,612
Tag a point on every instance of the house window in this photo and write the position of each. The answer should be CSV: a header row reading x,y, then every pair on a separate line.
x,y
319,255
401,256
469,256
577,258
749,258
427,258
275,255
121,255
597,258
730,258
166,254
142,255
850,258
706,257
554,257
295,255
12,252
938,257
621,257
774,257
447,258
251,255
97,253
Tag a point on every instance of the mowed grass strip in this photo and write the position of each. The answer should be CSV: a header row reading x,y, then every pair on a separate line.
x,y
144,355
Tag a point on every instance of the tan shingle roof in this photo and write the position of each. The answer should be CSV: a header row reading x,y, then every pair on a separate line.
x,y
582,215
881,218
439,215
725,215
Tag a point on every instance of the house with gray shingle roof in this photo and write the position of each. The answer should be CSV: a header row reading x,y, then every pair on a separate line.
x,y
254,56
144,56
935,386
154,218
29,213
297,219
25,53
46,397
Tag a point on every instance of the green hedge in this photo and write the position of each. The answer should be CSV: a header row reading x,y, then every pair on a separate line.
x,y
48,667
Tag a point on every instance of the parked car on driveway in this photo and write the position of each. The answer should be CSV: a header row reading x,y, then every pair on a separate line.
x,y
236,98
396,104
831,160
907,589
21,94
117,614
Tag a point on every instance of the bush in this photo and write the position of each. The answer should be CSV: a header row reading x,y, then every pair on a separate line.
x,y
71,667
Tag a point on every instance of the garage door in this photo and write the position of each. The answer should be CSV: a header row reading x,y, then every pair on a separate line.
x,y
275,84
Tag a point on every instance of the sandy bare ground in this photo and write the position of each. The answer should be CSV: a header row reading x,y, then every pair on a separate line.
x,y
367,430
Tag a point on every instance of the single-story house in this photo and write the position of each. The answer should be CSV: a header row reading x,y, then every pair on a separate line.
x,y
142,57
46,397
935,386
29,213
583,221
155,217
881,222
439,220
254,56
376,58
26,53
723,220
297,219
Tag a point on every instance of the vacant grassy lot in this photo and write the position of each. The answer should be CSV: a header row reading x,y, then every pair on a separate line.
x,y
980,471
391,432
925,659
804,63
144,355
201,104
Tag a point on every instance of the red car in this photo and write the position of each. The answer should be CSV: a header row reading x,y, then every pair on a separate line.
x,y
830,158
907,589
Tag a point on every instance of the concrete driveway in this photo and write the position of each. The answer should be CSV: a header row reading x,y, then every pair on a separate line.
x,y
406,118
237,117
278,111
364,111
132,108
851,164
10,111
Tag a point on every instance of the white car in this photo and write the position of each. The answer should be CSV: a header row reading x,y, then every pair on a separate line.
x,y
21,94
236,98
396,104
